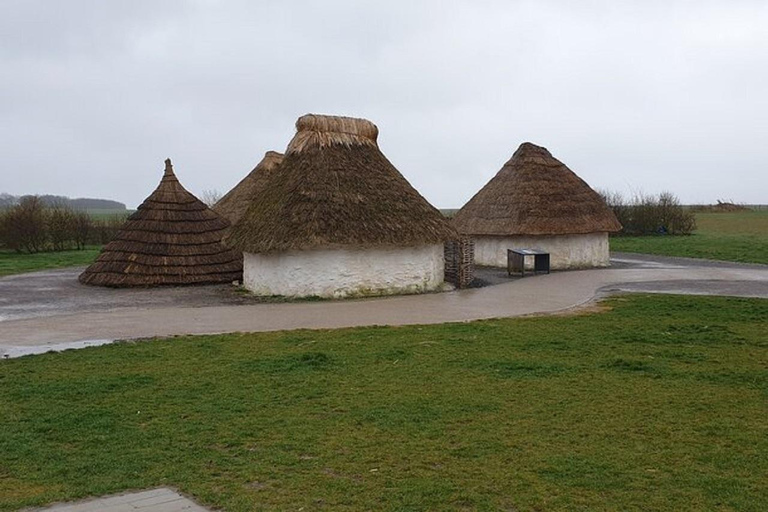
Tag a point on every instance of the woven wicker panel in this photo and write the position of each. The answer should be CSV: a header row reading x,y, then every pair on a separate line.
x,y
460,262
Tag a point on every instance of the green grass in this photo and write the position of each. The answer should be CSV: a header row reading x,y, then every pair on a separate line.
x,y
658,403
101,215
739,236
15,263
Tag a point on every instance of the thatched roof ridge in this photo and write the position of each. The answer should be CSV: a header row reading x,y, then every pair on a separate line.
x,y
235,202
335,189
172,238
535,194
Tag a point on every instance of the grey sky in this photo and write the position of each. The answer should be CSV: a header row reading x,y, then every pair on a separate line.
x,y
639,95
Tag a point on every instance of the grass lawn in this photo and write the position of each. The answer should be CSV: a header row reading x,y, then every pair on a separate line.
x,y
14,263
739,236
656,403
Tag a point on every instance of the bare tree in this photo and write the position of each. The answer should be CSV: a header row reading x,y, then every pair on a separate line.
x,y
4,236
24,225
211,197
60,225
82,227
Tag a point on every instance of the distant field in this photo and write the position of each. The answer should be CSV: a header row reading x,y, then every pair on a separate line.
x,y
738,236
107,211
108,214
14,263
656,404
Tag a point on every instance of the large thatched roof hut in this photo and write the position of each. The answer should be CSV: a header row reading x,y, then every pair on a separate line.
x,y
173,238
235,202
338,219
535,201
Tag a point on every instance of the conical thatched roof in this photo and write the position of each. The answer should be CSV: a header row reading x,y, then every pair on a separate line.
x,y
535,194
335,189
235,203
173,238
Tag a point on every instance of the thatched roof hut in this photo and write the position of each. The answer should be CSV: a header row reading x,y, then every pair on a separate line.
x,y
235,202
336,191
173,238
534,195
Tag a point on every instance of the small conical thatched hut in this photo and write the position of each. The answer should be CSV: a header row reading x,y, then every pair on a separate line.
x,y
338,219
235,203
173,238
535,201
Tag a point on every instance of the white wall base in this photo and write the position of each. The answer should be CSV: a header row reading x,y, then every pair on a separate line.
x,y
566,251
343,272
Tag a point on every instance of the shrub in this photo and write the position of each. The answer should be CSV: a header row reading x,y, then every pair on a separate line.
x,y
60,226
32,226
104,230
649,214
24,226
3,215
82,229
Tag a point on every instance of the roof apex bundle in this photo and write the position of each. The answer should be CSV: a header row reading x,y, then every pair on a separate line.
x,y
535,194
172,238
313,130
335,189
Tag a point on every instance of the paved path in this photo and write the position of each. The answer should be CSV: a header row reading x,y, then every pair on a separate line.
x,y
57,292
537,294
154,500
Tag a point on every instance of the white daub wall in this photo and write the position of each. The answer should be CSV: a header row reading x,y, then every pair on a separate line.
x,y
345,272
566,251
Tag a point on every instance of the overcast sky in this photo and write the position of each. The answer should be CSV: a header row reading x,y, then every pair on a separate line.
x,y
631,96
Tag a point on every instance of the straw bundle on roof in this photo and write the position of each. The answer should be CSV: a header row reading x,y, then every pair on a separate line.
x,y
171,239
335,189
325,131
235,203
535,194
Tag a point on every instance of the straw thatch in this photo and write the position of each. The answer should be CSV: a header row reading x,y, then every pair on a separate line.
x,y
235,203
335,189
172,239
535,194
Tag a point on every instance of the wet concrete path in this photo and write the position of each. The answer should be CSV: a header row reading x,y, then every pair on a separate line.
x,y
51,311
58,292
153,500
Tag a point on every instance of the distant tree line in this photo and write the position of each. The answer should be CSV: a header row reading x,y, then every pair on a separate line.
x,y
649,214
33,225
80,203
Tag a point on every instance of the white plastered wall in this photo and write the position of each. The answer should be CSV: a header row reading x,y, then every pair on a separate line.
x,y
566,251
345,272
